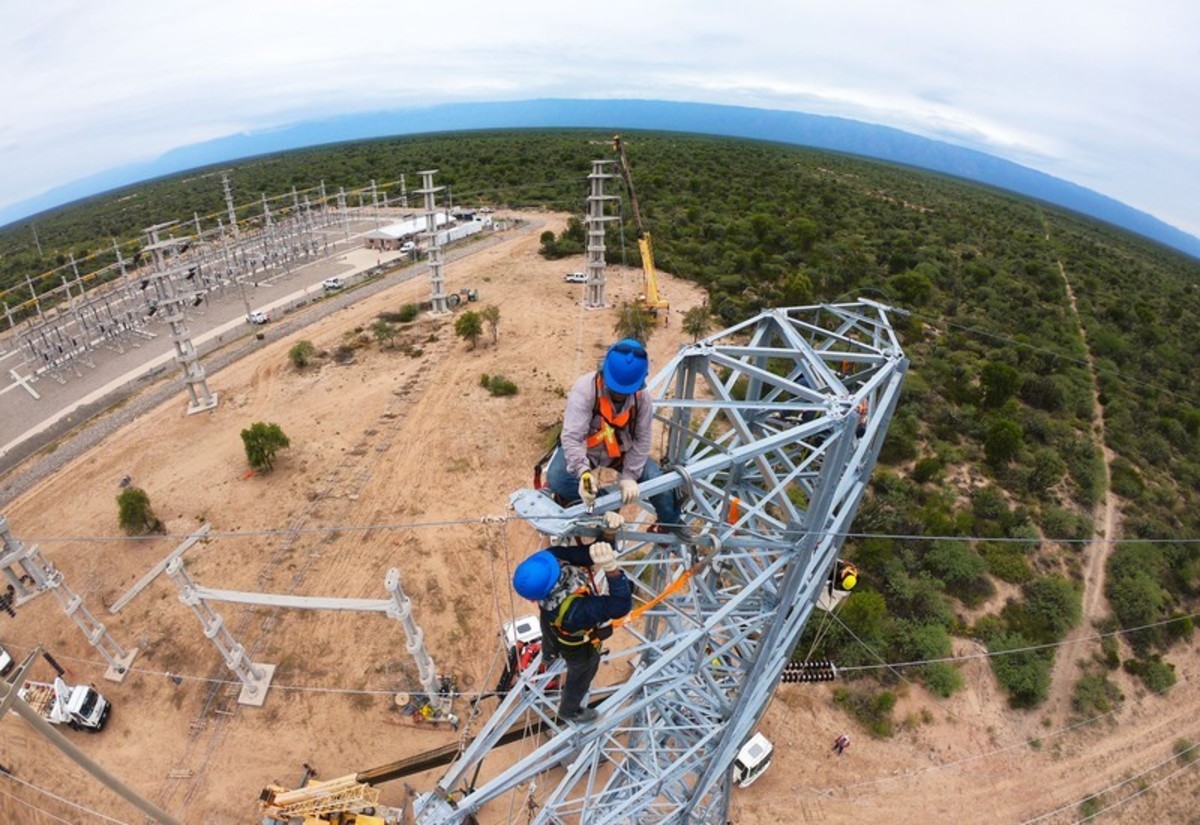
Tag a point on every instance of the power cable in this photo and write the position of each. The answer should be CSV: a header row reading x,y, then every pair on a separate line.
x,y
414,525
1026,649
1118,785
35,807
61,799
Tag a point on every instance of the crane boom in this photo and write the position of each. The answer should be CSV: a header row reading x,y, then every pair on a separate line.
x,y
651,300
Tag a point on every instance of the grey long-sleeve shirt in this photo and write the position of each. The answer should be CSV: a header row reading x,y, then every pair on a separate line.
x,y
579,422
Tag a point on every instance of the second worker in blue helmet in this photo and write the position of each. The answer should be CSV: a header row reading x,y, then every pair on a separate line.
x,y
608,423
575,616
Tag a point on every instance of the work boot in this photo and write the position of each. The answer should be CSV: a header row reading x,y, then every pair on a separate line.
x,y
581,716
684,532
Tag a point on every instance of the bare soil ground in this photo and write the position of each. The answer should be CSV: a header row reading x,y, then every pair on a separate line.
x,y
389,441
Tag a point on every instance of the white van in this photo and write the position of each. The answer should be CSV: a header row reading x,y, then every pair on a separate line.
x,y
6,662
575,278
752,760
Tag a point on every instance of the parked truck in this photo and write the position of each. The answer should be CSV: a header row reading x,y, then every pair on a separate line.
x,y
79,707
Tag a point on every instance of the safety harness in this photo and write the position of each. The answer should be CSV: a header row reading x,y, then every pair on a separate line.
x,y
577,582
610,422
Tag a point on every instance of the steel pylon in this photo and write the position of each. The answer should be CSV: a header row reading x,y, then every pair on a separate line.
x,y
771,428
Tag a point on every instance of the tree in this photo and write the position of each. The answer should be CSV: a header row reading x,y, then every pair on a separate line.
x,y
302,354
134,513
1002,442
491,314
1000,383
469,327
634,322
697,321
385,333
262,441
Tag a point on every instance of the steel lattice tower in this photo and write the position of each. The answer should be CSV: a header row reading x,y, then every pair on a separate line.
x,y
765,430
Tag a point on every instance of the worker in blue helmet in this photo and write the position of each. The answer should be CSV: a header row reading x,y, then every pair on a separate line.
x,y
575,617
608,423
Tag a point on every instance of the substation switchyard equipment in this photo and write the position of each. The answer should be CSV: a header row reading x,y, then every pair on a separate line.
x,y
771,430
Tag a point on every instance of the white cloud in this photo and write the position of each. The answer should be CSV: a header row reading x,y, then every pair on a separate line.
x,y
1100,92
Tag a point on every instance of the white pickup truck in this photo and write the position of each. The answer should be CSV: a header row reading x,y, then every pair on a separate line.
x,y
79,707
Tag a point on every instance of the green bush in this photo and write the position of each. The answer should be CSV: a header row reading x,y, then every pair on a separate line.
x,y
1095,695
302,354
927,469
1002,442
262,441
1025,675
407,313
942,679
498,385
134,513
1157,675
1005,561
872,710
1185,751
1126,480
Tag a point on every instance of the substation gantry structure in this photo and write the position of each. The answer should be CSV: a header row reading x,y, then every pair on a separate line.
x,y
772,429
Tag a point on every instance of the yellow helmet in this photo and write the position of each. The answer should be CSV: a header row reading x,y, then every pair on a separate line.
x,y
849,580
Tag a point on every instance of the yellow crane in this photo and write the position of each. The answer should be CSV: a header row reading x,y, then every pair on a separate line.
x,y
650,300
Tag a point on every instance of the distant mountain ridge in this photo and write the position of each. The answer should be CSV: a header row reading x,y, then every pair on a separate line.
x,y
817,131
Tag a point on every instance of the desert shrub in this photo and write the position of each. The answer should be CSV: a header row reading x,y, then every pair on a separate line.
x,y
1094,695
872,710
1002,442
1006,561
1126,481
1110,652
302,354
262,441
497,385
469,326
1024,675
407,313
942,679
1157,675
1185,751
1060,523
134,513
927,469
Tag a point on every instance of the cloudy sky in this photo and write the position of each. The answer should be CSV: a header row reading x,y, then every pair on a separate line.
x,y
1104,93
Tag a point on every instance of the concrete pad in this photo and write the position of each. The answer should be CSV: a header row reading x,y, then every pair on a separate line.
x,y
260,687
118,672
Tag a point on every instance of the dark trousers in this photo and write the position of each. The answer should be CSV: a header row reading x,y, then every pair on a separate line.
x,y
582,664
566,487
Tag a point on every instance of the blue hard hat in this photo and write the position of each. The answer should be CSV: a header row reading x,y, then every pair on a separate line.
x,y
535,577
625,366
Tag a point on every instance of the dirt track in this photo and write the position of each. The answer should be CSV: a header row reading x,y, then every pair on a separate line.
x,y
392,441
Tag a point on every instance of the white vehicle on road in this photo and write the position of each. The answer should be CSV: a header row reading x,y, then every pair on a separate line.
x,y
258,317
333,284
575,278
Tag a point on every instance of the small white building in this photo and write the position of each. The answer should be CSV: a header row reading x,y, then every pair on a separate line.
x,y
392,236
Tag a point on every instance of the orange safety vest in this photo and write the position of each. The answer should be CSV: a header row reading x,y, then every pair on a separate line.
x,y
610,422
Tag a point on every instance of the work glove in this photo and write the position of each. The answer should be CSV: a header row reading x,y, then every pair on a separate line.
x,y
613,521
603,556
629,491
587,488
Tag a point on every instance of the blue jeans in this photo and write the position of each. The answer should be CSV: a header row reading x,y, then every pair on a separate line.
x,y
566,487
